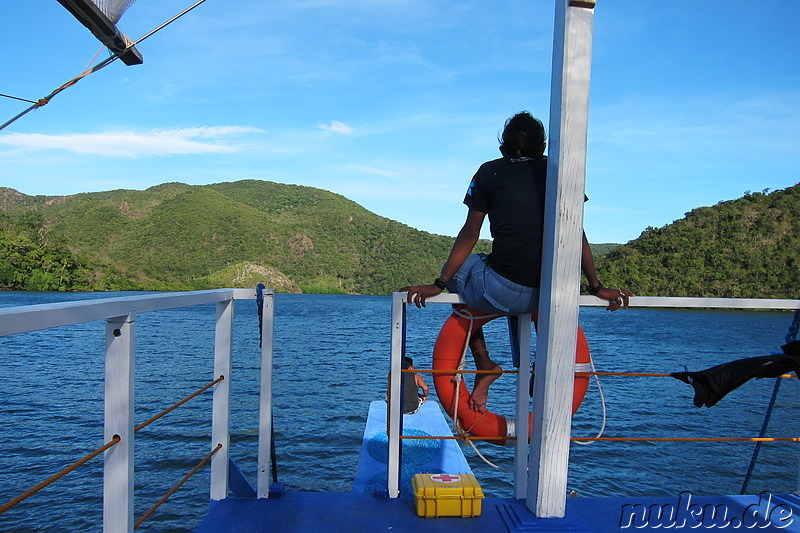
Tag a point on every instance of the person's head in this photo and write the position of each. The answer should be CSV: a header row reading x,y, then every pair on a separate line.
x,y
523,136
409,362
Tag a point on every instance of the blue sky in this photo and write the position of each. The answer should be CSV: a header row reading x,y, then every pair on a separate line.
x,y
395,103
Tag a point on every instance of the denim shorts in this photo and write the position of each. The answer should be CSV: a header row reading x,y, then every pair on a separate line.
x,y
485,290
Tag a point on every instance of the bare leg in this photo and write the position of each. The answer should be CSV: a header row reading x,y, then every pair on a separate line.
x,y
480,392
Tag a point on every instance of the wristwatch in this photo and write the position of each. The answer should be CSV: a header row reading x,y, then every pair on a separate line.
x,y
594,290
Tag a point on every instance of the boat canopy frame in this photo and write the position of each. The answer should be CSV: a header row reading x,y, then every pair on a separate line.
x,y
104,30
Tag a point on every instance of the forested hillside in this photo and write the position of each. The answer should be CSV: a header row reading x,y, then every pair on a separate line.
x,y
176,237
27,261
179,237
745,248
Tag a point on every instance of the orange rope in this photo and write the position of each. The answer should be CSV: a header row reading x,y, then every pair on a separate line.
x,y
176,487
175,406
103,448
59,475
454,437
630,374
623,439
646,374
690,439
455,371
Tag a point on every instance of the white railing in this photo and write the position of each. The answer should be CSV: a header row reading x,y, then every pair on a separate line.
x,y
120,316
521,450
396,417
672,302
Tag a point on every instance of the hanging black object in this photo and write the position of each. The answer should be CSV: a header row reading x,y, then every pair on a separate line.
x,y
260,305
712,384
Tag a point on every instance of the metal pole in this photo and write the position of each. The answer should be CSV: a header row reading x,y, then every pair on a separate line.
x,y
521,424
221,410
265,433
395,415
119,411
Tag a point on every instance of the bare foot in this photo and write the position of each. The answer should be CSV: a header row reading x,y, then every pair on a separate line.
x,y
480,393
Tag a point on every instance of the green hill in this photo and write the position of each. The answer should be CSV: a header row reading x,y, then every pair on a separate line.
x,y
745,248
176,236
181,237
600,250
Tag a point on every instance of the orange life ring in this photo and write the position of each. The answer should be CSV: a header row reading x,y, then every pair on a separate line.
x,y
447,355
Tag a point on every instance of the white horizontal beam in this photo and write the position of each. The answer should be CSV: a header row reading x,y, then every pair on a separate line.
x,y
685,302
444,298
36,317
665,302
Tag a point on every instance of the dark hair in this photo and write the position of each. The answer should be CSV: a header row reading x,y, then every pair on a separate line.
x,y
409,361
523,136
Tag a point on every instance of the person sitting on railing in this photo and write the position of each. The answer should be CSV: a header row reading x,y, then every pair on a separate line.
x,y
511,190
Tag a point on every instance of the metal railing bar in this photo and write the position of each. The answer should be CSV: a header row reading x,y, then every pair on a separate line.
x,y
665,302
44,316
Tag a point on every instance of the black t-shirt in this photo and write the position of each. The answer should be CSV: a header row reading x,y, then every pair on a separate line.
x,y
512,194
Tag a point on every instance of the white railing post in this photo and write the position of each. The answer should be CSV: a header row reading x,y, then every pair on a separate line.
x,y
119,410
221,410
563,231
394,413
523,341
265,410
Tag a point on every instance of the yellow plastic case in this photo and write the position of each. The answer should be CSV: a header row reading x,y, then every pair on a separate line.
x,y
447,495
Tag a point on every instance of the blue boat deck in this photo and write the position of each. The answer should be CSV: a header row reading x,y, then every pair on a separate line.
x,y
361,510
310,512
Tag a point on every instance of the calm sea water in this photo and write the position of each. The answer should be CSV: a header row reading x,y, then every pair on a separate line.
x,y
331,361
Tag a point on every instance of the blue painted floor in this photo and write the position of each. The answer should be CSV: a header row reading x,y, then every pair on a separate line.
x,y
360,511
310,512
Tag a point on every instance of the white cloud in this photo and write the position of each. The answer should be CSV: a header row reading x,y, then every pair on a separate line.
x,y
337,127
373,171
133,143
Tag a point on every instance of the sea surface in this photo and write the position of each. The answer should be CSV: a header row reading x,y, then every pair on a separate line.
x,y
331,361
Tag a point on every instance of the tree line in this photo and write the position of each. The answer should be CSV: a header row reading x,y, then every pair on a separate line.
x,y
181,237
743,248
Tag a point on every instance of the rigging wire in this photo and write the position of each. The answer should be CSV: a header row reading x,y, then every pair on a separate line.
x,y
170,21
791,336
44,101
17,98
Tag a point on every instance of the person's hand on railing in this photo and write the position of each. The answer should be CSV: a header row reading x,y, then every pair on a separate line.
x,y
417,294
616,297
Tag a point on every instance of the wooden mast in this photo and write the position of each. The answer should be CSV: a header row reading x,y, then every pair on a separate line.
x,y
104,29
563,229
